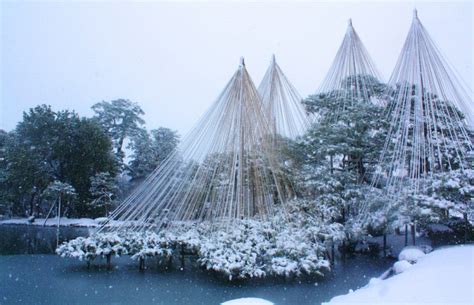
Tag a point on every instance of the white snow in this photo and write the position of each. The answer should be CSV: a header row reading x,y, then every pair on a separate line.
x,y
442,277
101,220
401,266
411,254
73,222
248,301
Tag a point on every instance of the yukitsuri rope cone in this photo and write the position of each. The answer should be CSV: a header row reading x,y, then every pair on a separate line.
x,y
431,113
352,76
283,103
223,170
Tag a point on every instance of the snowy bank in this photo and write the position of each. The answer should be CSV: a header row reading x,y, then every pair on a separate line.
x,y
445,276
248,301
67,222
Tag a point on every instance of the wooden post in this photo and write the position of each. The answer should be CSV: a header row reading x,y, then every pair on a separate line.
x,y
406,235
182,256
413,234
59,221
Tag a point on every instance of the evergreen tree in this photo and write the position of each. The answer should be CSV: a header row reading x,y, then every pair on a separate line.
x,y
59,194
48,146
103,189
350,132
122,120
5,204
150,149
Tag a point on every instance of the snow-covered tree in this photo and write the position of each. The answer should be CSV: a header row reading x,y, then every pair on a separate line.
x,y
150,149
52,145
103,190
121,119
445,195
5,204
349,133
61,193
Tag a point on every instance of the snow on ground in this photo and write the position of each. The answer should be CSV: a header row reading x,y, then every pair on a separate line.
x,y
443,277
411,254
401,266
248,301
73,222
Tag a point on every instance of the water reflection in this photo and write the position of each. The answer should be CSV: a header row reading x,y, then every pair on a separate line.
x,y
32,239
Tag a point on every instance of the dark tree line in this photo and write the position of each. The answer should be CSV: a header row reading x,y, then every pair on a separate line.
x,y
51,153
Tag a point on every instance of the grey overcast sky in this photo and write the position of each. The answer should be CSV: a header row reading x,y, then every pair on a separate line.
x,y
175,58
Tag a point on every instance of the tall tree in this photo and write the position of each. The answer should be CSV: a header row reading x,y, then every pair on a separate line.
x,y
5,204
350,132
104,191
48,146
121,119
150,149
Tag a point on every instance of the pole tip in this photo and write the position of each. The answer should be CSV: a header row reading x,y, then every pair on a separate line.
x,y
273,58
415,13
350,22
242,61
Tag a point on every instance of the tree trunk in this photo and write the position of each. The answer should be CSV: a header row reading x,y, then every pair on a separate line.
x,y
384,244
361,170
333,253
331,160
109,258
32,205
141,264
466,227
413,234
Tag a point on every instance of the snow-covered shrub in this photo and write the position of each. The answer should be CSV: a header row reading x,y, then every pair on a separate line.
x,y
109,244
445,195
153,245
411,254
255,248
102,245
75,248
189,236
238,252
297,251
401,266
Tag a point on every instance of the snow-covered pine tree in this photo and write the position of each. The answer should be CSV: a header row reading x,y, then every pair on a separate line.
x,y
149,150
104,190
122,120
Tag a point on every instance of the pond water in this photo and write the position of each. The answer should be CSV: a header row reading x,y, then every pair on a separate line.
x,y
48,279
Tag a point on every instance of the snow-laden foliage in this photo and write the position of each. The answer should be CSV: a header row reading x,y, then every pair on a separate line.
x,y
238,252
293,243
103,189
446,194
88,248
149,244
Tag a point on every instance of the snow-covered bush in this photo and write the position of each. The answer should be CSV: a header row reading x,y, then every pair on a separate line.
x,y
190,236
294,242
445,195
255,248
151,244
297,251
75,248
102,245
238,252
